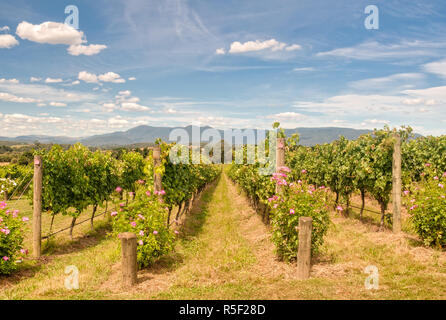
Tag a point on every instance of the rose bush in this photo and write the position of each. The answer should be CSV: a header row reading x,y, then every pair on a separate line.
x,y
298,199
146,217
427,206
11,239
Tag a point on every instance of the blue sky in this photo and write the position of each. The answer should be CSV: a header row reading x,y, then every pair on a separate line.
x,y
227,64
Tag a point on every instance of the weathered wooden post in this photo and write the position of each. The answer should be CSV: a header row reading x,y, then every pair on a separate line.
x,y
280,159
37,206
157,182
129,263
304,251
396,184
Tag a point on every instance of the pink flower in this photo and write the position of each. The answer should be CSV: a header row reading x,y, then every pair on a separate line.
x,y
141,233
440,185
435,178
275,206
118,189
25,219
339,208
444,174
284,169
442,196
3,204
176,232
427,164
148,193
133,224
141,182
24,251
291,211
304,171
155,232
140,242
161,192
122,205
5,258
406,192
6,231
114,213
131,193
141,217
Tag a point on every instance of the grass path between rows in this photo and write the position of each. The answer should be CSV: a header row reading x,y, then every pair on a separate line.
x,y
225,252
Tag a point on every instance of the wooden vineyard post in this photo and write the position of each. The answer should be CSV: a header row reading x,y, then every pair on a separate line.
x,y
156,162
37,207
396,184
129,263
304,251
280,158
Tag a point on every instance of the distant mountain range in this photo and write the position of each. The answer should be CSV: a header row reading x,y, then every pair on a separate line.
x,y
148,134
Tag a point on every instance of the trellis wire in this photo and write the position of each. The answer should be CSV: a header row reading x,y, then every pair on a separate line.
x,y
64,229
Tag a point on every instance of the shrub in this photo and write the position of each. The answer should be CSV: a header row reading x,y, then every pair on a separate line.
x,y
11,239
146,217
297,200
427,206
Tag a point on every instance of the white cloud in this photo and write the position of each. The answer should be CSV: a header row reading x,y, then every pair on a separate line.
x,y
220,51
437,67
51,80
5,28
304,69
131,106
293,47
9,81
34,79
125,93
50,32
257,45
42,105
132,79
75,82
373,50
13,98
410,102
392,82
87,77
8,41
88,50
58,33
58,104
111,77
286,116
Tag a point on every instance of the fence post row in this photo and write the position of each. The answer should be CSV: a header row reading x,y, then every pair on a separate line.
x,y
304,251
37,206
129,263
396,184
280,159
156,162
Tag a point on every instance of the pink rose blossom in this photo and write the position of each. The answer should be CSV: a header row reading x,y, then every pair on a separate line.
x,y
141,233
114,213
291,211
155,232
140,242
148,193
25,219
118,189
133,224
5,258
